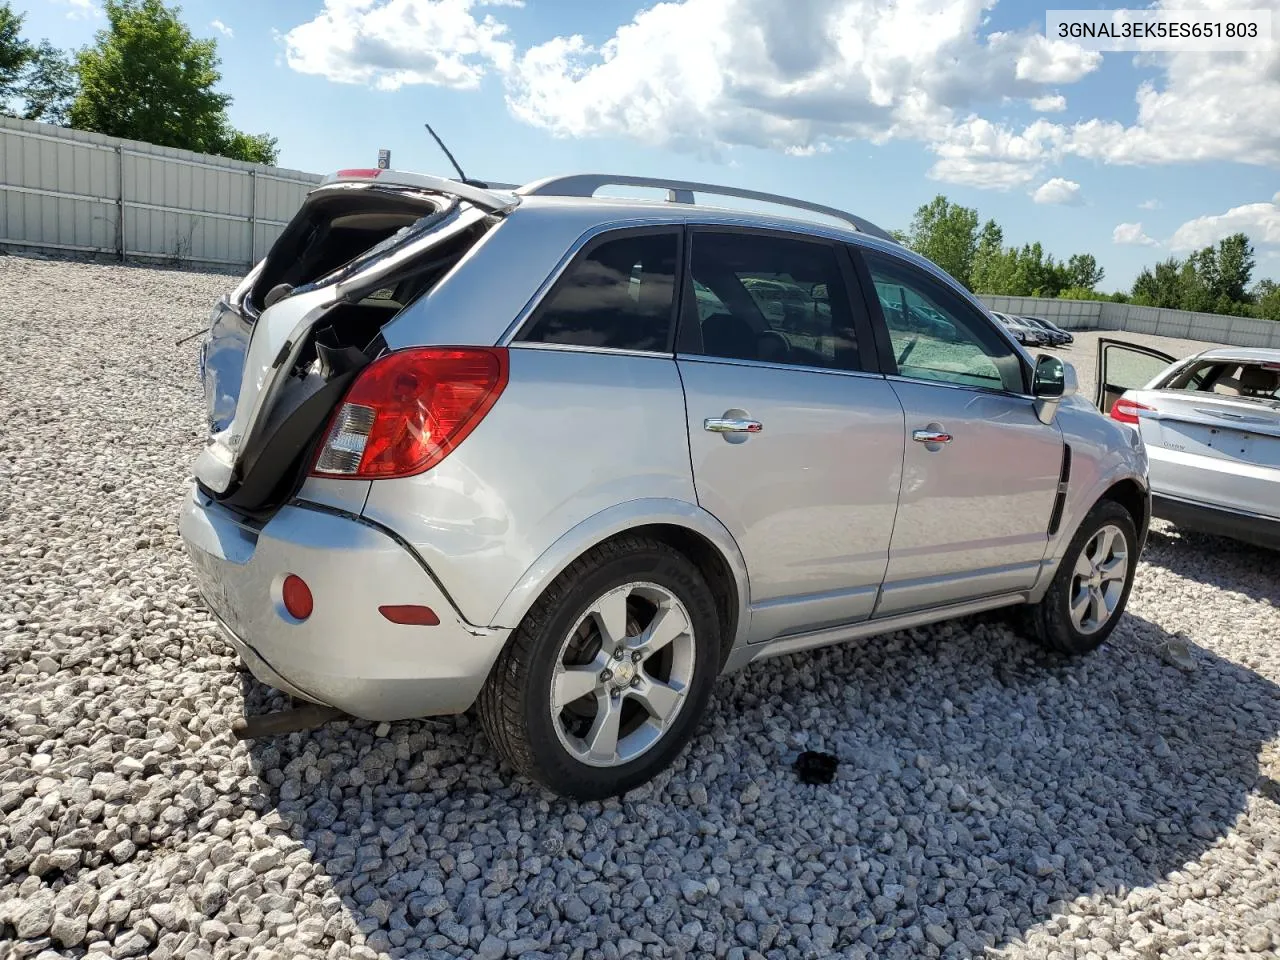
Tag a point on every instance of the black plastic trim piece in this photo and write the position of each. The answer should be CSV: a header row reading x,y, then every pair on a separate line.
x,y
1060,501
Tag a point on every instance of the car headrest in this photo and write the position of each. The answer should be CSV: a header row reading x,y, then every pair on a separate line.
x,y
1259,380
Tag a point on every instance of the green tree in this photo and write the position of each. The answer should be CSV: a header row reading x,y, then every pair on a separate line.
x,y
986,255
1197,280
947,234
251,147
1266,296
1234,268
1161,287
15,54
1080,293
1083,272
49,86
147,78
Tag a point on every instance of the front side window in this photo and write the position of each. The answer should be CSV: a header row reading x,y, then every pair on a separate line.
x,y
772,299
617,294
935,334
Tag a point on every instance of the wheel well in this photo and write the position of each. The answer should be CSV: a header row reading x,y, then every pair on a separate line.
x,y
715,570
1129,495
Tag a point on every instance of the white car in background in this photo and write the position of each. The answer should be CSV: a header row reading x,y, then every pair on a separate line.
x,y
1211,426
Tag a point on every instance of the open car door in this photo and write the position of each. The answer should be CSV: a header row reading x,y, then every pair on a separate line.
x,y
1125,366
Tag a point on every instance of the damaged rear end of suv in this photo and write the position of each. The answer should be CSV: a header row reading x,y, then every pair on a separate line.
x,y
306,405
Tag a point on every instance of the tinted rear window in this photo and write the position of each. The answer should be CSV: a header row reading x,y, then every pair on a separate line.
x,y
618,294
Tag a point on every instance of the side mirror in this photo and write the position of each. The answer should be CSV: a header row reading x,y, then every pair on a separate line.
x,y
1054,379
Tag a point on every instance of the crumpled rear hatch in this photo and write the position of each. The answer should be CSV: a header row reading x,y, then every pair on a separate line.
x,y
284,345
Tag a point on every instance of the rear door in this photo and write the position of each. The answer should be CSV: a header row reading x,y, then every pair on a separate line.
x,y
796,439
980,471
1125,366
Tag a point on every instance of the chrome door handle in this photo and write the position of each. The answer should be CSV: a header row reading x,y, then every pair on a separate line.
x,y
930,436
731,425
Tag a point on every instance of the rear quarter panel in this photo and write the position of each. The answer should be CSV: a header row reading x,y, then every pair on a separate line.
x,y
574,434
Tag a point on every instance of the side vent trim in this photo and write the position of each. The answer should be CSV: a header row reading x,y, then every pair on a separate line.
x,y
1060,501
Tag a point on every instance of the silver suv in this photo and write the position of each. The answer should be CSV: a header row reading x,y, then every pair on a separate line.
x,y
570,458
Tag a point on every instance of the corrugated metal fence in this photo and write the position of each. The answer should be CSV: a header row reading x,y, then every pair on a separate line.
x,y
1103,315
74,191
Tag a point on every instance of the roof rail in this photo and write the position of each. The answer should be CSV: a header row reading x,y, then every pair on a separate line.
x,y
682,191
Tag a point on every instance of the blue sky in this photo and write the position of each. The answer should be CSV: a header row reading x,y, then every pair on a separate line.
x,y
861,104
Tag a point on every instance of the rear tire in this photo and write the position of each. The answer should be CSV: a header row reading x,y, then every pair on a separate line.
x,y
604,681
1088,594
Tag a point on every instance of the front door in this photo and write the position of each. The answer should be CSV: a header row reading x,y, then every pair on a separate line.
x,y
980,471
796,446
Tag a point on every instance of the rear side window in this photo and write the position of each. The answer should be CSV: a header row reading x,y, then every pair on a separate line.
x,y
619,293
771,299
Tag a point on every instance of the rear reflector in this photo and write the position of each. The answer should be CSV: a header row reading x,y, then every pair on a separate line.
x,y
297,597
409,410
411,614
1126,411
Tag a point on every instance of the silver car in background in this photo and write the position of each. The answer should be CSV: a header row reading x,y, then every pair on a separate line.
x,y
1022,331
571,458
1211,425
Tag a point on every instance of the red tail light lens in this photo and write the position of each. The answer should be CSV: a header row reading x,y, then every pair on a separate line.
x,y
409,410
1126,411
358,173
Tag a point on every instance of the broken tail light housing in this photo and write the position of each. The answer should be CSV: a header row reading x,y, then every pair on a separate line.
x,y
1127,411
409,410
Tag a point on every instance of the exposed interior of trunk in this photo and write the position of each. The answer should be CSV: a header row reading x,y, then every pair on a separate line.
x,y
334,229
346,230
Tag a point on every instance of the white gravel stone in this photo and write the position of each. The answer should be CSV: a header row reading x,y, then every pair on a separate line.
x,y
989,797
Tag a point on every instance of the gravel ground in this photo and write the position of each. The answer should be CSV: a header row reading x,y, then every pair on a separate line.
x,y
989,796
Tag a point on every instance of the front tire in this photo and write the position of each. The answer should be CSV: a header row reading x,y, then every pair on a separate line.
x,y
604,681
1088,594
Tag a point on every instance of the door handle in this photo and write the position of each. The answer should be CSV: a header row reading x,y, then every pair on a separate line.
x,y
930,436
731,425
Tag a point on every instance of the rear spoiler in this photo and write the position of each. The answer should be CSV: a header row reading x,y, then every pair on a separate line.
x,y
494,201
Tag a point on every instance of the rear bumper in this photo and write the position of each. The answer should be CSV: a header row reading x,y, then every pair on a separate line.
x,y
346,654
1246,527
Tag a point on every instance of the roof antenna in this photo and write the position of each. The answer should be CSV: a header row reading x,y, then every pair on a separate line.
x,y
461,176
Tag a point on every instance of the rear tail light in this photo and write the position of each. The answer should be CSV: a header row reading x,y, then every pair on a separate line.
x,y
1126,411
409,410
358,173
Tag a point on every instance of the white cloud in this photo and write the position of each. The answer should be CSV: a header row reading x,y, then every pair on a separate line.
x,y
81,9
809,150
222,28
709,75
1059,192
1207,106
1130,234
1050,104
1149,205
703,75
1261,221
979,153
1055,61
391,43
